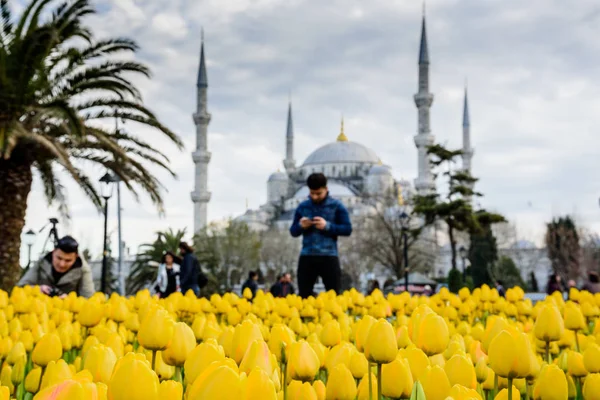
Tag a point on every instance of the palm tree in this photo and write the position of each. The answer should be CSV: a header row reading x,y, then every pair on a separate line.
x,y
142,271
60,92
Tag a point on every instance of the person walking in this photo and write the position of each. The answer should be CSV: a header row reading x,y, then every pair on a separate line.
x,y
319,220
251,283
190,269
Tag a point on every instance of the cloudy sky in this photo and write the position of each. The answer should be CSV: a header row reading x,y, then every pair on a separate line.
x,y
532,69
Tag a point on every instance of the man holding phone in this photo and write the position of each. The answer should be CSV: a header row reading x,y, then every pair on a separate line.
x,y
320,220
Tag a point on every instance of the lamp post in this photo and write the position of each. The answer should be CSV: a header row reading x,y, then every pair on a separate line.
x,y
404,224
29,240
106,189
463,255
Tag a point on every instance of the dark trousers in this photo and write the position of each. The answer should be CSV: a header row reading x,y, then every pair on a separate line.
x,y
311,267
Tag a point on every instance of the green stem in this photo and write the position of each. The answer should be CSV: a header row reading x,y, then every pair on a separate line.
x,y
548,353
379,385
576,342
578,386
526,390
510,385
154,360
284,381
370,383
495,385
177,376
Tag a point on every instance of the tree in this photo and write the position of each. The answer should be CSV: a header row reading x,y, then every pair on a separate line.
x,y
533,283
483,254
378,238
229,253
590,251
455,281
564,251
454,208
144,269
279,252
57,92
508,273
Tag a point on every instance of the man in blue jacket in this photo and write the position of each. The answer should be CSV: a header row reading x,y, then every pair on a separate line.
x,y
320,220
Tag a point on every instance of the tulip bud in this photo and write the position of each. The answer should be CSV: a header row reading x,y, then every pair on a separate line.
x,y
221,382
182,344
91,314
170,390
258,385
549,325
32,380
574,319
381,346
460,371
303,361
55,372
591,387
551,384
331,334
591,358
320,389
435,383
257,355
359,365
156,331
362,331
128,370
245,333
200,358
4,393
575,364
509,354
397,381
433,335
341,384
63,390
5,377
49,348
481,370
18,372
16,353
100,360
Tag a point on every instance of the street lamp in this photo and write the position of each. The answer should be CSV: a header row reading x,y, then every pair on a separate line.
x,y
463,254
29,240
106,190
404,225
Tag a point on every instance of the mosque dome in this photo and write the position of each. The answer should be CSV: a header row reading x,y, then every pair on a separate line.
x,y
278,176
342,151
380,170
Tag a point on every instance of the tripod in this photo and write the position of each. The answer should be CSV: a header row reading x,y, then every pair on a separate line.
x,y
52,234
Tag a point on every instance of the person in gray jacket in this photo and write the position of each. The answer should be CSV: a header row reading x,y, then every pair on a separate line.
x,y
61,272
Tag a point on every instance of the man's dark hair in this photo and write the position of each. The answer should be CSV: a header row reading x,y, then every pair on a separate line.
x,y
593,277
186,247
252,274
68,245
316,181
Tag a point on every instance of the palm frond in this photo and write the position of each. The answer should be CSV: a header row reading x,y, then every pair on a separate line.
x,y
6,19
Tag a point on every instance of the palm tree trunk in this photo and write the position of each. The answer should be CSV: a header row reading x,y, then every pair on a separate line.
x,y
15,185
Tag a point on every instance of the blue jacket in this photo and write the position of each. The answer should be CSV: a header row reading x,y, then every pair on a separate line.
x,y
317,242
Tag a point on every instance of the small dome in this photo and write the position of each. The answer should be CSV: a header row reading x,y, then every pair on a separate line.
x,y
278,176
342,152
380,170
335,190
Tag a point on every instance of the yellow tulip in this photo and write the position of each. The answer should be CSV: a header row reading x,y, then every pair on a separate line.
x,y
574,319
200,358
131,369
55,372
481,370
363,388
170,390
91,314
297,390
591,358
396,381
458,392
331,334
69,389
591,387
100,360
303,361
381,346
257,386
435,383
4,393
245,333
551,384
181,345
16,353
362,331
459,370
358,365
503,395
320,389
281,336
156,330
18,372
257,355
32,380
433,334
509,354
575,364
221,383
340,384
549,325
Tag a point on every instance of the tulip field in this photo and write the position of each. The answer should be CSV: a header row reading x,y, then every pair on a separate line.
x,y
465,346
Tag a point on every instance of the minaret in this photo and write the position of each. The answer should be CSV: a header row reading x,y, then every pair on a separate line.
x,y
466,125
201,157
424,184
289,163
